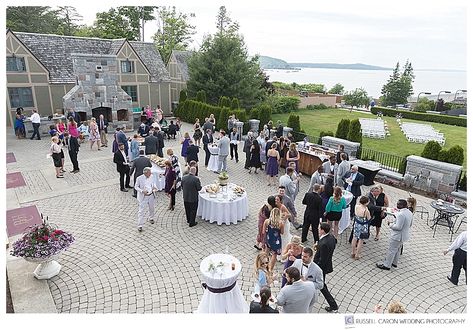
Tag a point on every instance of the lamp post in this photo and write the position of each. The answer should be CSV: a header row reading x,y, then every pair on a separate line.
x,y
438,96
460,90
426,93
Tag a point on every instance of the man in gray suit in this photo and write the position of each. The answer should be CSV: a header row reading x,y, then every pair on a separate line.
x,y
317,177
190,190
151,144
399,234
330,167
223,151
309,270
343,168
297,296
286,181
138,166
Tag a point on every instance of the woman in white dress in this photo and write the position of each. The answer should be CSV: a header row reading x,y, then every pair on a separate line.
x,y
286,235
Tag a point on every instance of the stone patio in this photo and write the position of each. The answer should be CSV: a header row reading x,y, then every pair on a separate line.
x,y
112,268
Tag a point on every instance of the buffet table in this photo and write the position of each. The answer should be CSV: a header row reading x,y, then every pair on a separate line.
x,y
345,220
158,175
225,206
312,156
222,293
213,160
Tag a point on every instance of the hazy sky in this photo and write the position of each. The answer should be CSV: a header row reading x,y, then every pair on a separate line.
x,y
432,34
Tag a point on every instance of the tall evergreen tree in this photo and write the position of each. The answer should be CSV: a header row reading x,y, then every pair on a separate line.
x,y
399,86
69,18
36,19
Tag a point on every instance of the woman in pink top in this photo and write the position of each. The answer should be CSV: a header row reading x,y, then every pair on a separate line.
x,y
72,128
60,128
159,114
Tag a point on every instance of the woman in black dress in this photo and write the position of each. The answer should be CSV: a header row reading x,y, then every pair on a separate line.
x,y
255,160
380,199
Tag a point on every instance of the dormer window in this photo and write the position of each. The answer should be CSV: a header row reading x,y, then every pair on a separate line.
x,y
127,66
16,64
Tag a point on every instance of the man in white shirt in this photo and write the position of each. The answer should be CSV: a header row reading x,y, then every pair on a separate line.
x,y
36,121
288,183
234,138
459,257
146,189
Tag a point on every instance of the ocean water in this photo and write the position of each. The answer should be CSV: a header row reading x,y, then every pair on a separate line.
x,y
372,80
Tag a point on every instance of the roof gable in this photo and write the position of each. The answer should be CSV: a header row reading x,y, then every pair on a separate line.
x,y
182,58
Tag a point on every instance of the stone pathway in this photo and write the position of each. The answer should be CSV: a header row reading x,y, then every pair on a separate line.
x,y
113,268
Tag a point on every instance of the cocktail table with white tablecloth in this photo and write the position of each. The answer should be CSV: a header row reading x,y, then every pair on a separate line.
x,y
221,209
345,220
156,170
222,293
213,160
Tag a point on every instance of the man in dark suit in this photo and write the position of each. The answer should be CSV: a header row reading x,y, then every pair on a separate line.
x,y
323,258
123,167
160,136
353,182
151,145
137,167
172,130
206,140
193,155
121,138
72,145
341,150
103,124
190,190
313,213
143,130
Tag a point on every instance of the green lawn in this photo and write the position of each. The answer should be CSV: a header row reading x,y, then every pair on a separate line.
x,y
315,121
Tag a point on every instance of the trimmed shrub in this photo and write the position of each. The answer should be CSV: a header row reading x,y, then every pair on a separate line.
x,y
222,122
235,104
455,155
342,129
354,131
325,133
431,150
224,101
264,114
294,122
403,165
462,185
254,113
201,96
320,106
285,104
443,156
182,96
431,117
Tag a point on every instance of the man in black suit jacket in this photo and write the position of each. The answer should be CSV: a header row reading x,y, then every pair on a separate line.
x,y
313,213
72,145
121,138
193,155
323,258
160,136
123,167
190,190
137,167
353,182
151,145
206,140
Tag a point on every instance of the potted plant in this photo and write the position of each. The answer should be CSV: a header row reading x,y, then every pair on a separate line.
x,y
223,178
43,244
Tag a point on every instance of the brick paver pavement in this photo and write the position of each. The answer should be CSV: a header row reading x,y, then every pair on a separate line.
x,y
114,268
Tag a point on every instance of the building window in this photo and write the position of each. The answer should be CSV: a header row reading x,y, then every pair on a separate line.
x,y
132,91
16,64
20,97
127,66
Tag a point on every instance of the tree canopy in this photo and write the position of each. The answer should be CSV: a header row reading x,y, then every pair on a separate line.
x,y
356,98
399,86
223,67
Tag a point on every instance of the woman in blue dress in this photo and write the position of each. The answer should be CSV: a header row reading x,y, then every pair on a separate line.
x,y
272,165
261,272
274,228
134,148
361,226
185,144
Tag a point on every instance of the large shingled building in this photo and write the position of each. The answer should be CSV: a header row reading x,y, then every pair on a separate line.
x,y
40,71
178,70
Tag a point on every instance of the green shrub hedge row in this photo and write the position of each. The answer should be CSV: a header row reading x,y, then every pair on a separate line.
x,y
431,117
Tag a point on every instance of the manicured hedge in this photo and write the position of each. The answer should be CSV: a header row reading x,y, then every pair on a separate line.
x,y
431,117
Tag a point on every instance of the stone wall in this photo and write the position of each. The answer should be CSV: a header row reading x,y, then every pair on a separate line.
x,y
351,148
431,175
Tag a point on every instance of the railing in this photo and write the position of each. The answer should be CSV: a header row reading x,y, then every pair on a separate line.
x,y
387,161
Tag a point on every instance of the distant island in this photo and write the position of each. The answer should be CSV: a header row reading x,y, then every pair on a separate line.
x,y
267,62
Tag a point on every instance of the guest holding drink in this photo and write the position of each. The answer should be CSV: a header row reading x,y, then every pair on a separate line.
x,y
170,184
261,271
291,252
333,210
262,216
274,228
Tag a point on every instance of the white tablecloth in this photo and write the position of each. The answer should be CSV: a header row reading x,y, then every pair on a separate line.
x,y
231,301
156,171
345,220
222,210
213,160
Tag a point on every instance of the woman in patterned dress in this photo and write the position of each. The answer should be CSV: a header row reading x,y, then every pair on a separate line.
x,y
263,214
274,228
94,135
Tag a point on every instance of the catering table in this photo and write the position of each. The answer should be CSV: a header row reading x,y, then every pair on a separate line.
x,y
445,215
221,209
311,156
222,293
345,220
160,181
213,160
369,169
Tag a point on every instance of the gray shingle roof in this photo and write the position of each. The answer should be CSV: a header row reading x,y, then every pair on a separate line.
x,y
182,57
54,52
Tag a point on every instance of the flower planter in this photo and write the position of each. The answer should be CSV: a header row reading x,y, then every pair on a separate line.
x,y
47,268
223,182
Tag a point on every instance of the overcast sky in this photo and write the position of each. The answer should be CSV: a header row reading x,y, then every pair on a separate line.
x,y
432,34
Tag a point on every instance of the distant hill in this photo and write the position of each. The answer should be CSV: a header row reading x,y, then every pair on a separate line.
x,y
266,62
355,66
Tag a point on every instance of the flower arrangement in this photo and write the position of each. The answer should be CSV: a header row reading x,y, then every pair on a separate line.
x,y
215,268
41,242
223,176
